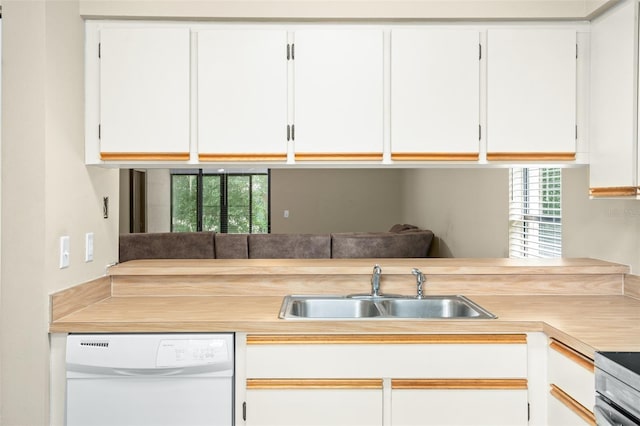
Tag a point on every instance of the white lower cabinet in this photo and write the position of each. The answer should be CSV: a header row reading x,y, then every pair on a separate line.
x,y
300,403
386,380
491,407
571,395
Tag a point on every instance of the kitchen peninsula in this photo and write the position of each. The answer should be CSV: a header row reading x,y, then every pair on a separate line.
x,y
579,305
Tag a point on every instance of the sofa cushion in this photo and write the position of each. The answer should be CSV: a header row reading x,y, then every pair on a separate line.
x,y
381,245
232,246
289,246
166,245
403,227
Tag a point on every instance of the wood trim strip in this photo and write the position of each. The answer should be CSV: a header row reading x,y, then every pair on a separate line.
x,y
573,405
531,156
75,298
614,191
243,157
254,384
488,384
339,156
573,355
144,156
632,286
435,156
343,339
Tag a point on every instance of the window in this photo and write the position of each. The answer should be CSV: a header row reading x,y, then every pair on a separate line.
x,y
535,213
219,201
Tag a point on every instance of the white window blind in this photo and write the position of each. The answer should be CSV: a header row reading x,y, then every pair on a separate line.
x,y
535,213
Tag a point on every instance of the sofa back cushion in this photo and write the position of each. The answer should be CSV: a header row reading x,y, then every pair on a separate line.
x,y
289,246
232,246
381,245
166,245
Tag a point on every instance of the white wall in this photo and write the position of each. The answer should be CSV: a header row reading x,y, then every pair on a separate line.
x,y
46,192
335,200
468,212
350,9
467,209
158,200
602,229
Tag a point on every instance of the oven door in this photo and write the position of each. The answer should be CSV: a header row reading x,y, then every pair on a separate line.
x,y
607,415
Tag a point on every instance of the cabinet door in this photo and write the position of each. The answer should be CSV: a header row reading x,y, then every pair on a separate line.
x,y
242,95
338,94
472,407
144,94
572,386
435,94
531,94
612,141
329,402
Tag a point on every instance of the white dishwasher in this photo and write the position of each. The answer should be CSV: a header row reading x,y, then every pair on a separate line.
x,y
150,379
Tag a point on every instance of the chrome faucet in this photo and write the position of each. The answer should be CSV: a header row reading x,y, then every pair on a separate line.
x,y
419,281
375,281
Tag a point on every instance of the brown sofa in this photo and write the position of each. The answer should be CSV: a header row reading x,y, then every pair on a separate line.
x,y
400,241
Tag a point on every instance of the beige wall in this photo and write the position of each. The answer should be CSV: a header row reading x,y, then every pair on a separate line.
x,y
318,200
158,200
46,192
602,229
468,212
354,9
335,200
467,209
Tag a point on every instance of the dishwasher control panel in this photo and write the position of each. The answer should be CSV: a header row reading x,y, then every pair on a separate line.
x,y
188,352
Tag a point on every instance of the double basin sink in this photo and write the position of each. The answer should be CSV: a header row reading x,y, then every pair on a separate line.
x,y
381,307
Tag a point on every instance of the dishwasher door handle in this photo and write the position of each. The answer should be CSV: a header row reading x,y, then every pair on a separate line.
x,y
159,372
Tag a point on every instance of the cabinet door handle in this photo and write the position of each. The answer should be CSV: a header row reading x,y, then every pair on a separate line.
x,y
288,132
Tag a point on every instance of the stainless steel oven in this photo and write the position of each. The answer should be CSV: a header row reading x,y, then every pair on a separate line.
x,y
617,388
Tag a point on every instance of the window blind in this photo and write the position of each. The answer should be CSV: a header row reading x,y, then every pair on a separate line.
x,y
535,213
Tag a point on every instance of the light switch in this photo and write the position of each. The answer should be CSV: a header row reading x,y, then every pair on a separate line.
x,y
88,247
286,214
64,252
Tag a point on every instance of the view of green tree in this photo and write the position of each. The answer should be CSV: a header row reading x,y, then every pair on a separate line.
x,y
211,203
184,216
233,203
260,204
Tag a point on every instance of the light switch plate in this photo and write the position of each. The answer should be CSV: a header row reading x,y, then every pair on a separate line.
x,y
64,252
88,247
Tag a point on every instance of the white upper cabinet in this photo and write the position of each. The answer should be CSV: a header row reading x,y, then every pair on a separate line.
x,y
338,94
144,93
531,94
242,95
613,107
435,94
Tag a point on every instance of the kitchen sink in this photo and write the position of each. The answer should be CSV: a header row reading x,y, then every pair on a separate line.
x,y
382,307
434,307
323,307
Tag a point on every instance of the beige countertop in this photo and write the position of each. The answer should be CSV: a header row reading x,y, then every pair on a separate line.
x,y
596,317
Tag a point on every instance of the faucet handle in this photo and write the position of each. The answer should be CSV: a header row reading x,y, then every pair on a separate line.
x,y
375,280
419,281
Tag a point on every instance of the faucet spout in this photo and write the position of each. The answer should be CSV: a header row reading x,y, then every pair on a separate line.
x,y
375,281
419,282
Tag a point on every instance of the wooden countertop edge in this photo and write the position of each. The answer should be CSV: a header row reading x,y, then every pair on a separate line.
x,y
296,327
395,327
632,286
562,266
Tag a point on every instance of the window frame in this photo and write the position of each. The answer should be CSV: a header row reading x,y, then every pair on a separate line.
x,y
535,212
200,174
